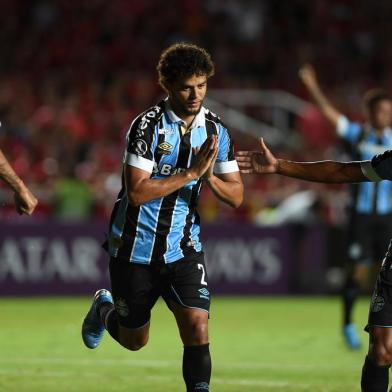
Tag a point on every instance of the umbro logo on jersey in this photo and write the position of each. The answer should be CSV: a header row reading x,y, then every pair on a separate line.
x,y
165,148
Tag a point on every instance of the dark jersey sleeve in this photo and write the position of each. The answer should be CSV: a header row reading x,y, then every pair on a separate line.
x,y
140,141
382,165
379,168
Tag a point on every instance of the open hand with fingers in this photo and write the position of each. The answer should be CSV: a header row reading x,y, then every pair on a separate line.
x,y
204,157
262,162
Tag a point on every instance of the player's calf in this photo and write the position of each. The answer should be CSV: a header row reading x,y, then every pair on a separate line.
x,y
375,378
196,368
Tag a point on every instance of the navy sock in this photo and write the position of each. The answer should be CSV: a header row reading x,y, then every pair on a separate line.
x,y
351,292
196,368
108,317
374,378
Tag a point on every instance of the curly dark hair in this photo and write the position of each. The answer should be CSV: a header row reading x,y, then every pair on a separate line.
x,y
374,96
181,61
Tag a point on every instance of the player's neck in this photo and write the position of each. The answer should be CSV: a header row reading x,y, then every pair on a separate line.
x,y
188,118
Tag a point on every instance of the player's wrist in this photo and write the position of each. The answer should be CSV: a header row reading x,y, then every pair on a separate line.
x,y
278,166
190,174
18,186
210,178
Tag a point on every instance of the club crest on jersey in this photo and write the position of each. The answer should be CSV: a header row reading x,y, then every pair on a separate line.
x,y
164,148
140,146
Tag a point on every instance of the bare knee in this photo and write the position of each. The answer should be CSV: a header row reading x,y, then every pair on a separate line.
x,y
134,344
197,333
381,353
133,339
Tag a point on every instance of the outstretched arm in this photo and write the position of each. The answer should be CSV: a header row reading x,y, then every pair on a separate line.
x,y
25,201
264,162
308,76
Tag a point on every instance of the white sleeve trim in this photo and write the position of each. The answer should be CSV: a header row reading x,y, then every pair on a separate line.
x,y
226,167
139,162
342,125
369,172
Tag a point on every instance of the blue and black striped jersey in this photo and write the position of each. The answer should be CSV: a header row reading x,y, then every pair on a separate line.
x,y
165,229
368,198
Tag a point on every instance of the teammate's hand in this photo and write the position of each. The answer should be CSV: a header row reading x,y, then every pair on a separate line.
x,y
308,75
204,157
25,201
262,161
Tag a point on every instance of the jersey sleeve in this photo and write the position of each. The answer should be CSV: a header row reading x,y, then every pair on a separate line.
x,y
347,130
225,161
140,138
379,168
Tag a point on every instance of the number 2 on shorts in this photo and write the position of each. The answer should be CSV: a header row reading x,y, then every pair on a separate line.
x,y
203,274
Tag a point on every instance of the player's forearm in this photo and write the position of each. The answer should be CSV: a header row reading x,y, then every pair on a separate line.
x,y
230,192
150,189
323,171
8,175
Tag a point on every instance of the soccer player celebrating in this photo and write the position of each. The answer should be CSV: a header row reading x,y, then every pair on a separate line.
x,y
370,222
375,371
25,201
172,149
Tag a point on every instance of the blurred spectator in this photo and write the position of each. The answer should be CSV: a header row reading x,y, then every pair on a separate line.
x,y
72,198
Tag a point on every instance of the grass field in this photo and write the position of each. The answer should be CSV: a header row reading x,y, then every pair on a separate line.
x,y
258,344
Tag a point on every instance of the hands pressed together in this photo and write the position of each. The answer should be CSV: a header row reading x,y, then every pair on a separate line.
x,y
204,158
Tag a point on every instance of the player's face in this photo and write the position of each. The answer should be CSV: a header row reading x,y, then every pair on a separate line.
x,y
186,96
381,116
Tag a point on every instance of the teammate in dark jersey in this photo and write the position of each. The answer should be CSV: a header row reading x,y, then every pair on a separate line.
x,y
375,371
25,201
371,203
172,149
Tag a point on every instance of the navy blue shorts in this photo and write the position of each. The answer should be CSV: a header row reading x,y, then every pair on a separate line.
x,y
137,287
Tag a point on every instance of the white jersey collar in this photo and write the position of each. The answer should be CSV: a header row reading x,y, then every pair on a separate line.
x,y
199,120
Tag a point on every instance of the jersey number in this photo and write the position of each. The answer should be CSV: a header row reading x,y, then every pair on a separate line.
x,y
203,274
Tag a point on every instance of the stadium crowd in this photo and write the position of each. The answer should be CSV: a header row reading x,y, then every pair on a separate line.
x,y
73,75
